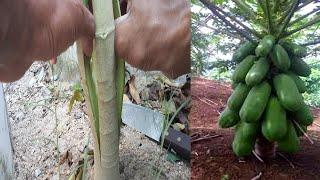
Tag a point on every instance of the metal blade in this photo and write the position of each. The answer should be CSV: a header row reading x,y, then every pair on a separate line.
x,y
144,120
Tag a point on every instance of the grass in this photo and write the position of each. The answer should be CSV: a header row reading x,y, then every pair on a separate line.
x,y
85,162
167,123
44,104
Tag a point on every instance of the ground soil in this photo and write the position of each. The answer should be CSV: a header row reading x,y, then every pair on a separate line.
x,y
213,158
34,134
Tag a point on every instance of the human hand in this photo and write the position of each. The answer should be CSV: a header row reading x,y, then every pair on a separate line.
x,y
40,30
155,35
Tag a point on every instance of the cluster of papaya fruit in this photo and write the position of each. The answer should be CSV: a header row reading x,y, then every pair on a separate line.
x,y
267,97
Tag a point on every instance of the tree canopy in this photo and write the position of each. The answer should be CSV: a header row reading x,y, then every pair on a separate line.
x,y
218,27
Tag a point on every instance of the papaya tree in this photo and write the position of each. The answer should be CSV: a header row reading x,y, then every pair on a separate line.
x,y
212,40
102,78
267,107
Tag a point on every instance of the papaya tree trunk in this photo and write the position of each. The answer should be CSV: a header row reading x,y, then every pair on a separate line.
x,y
264,148
98,81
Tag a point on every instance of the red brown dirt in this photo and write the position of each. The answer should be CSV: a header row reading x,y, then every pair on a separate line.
x,y
213,158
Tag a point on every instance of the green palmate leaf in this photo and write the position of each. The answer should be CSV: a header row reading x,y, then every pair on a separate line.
x,y
304,16
211,37
312,22
288,17
231,16
218,14
269,16
275,5
263,6
219,2
244,8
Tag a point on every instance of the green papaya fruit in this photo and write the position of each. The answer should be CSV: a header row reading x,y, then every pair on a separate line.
x,y
300,67
265,46
234,84
287,92
238,96
255,103
244,139
243,51
280,58
303,115
290,143
228,118
299,82
242,69
294,49
257,72
274,124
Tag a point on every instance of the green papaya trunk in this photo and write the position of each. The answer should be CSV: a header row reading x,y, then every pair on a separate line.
x,y
98,76
264,148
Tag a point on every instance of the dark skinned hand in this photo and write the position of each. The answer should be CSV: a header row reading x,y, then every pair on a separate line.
x,y
154,35
40,30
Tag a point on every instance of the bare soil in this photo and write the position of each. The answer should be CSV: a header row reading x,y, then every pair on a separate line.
x,y
34,134
212,158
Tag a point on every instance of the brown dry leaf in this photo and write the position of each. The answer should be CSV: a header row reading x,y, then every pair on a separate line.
x,y
63,157
70,157
133,90
79,174
154,90
177,83
90,152
67,156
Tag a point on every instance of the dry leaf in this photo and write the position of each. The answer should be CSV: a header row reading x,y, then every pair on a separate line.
x,y
77,96
63,157
67,156
178,126
70,157
178,83
133,90
79,174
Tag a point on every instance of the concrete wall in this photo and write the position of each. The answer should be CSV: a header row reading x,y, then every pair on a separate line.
x,y
6,155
